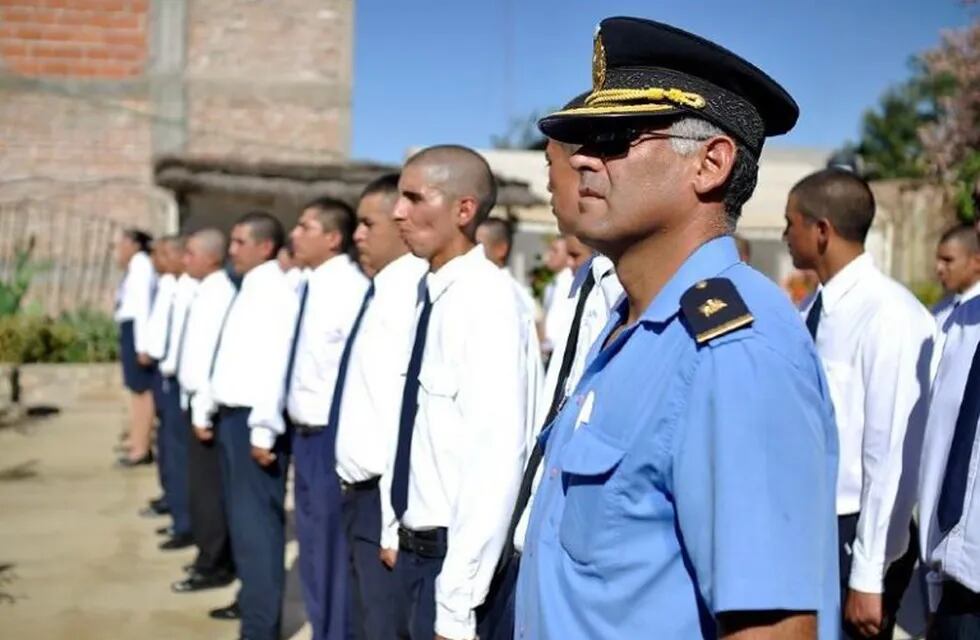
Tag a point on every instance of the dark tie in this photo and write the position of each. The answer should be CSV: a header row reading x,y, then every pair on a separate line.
x,y
221,331
338,388
953,493
170,322
292,348
410,406
813,316
537,454
183,334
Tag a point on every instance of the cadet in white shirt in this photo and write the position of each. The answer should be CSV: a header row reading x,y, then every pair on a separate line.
x,y
462,426
557,317
875,341
244,405
958,270
329,302
366,405
595,289
949,496
207,310
133,303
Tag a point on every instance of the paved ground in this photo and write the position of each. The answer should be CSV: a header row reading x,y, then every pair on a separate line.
x,y
84,566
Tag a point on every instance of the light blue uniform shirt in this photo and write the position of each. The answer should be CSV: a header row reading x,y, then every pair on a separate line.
x,y
683,481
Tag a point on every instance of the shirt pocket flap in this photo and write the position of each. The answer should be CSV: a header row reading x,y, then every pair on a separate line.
x,y
439,382
587,455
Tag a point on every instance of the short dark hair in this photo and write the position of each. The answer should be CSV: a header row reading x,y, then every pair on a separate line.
x,y
741,183
965,234
264,226
500,231
335,215
839,197
386,185
141,238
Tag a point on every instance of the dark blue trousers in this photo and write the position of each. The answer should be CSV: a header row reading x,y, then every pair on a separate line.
x,y
255,497
371,583
322,548
158,403
958,615
415,596
172,438
495,618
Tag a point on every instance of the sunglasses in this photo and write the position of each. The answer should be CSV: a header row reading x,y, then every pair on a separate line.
x,y
617,143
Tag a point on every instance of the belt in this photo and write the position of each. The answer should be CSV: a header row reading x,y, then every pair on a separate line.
x,y
430,543
308,429
353,487
958,598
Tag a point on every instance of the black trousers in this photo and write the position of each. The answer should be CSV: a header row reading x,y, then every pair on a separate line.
x,y
897,577
415,595
495,618
958,615
371,585
209,521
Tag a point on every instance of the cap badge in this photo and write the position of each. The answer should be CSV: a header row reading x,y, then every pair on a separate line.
x,y
598,62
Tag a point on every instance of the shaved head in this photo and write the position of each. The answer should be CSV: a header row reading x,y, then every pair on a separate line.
x,y
459,172
212,243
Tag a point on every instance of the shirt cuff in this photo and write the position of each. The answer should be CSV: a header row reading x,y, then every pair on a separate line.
x,y
262,437
455,625
389,536
867,576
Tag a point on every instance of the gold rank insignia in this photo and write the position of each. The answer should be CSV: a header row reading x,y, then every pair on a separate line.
x,y
713,308
598,62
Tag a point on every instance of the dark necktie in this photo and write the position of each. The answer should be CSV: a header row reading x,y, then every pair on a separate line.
x,y
170,322
292,348
953,493
221,331
410,406
183,334
813,316
338,388
537,453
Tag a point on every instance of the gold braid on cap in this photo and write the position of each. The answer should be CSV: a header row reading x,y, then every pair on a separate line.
x,y
637,100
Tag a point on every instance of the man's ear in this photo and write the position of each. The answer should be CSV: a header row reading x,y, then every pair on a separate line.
x,y
717,158
466,212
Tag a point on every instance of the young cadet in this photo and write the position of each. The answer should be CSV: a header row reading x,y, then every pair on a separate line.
x,y
958,270
462,425
365,408
171,432
330,298
204,258
949,496
875,341
687,487
242,409
594,292
133,303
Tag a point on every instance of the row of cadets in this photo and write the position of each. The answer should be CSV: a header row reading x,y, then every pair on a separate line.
x,y
241,409
133,303
330,299
204,258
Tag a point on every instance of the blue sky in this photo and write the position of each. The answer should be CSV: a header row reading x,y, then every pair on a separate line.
x,y
428,71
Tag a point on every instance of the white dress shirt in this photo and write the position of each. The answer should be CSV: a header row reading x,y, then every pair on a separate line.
x,y
183,296
557,316
875,341
252,355
468,444
208,309
531,360
957,554
942,316
595,315
371,406
161,317
335,291
135,297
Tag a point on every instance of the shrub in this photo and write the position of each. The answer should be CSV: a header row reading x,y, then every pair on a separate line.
x,y
80,336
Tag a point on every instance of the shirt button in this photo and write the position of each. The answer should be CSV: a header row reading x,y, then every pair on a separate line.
x,y
554,472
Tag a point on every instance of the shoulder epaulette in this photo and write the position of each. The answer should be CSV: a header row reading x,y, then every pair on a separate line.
x,y
713,308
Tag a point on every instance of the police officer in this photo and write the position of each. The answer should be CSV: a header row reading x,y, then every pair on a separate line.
x,y
688,482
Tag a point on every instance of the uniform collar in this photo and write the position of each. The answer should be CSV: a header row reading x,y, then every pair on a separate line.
x,y
396,267
710,259
844,280
331,266
440,281
969,294
262,273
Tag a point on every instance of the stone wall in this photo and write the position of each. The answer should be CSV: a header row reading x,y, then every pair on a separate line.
x,y
68,385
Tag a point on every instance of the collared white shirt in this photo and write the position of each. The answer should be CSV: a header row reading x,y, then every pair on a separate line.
x,y
335,291
251,360
183,296
875,341
957,554
161,317
468,444
135,296
595,314
557,315
205,317
371,406
942,322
